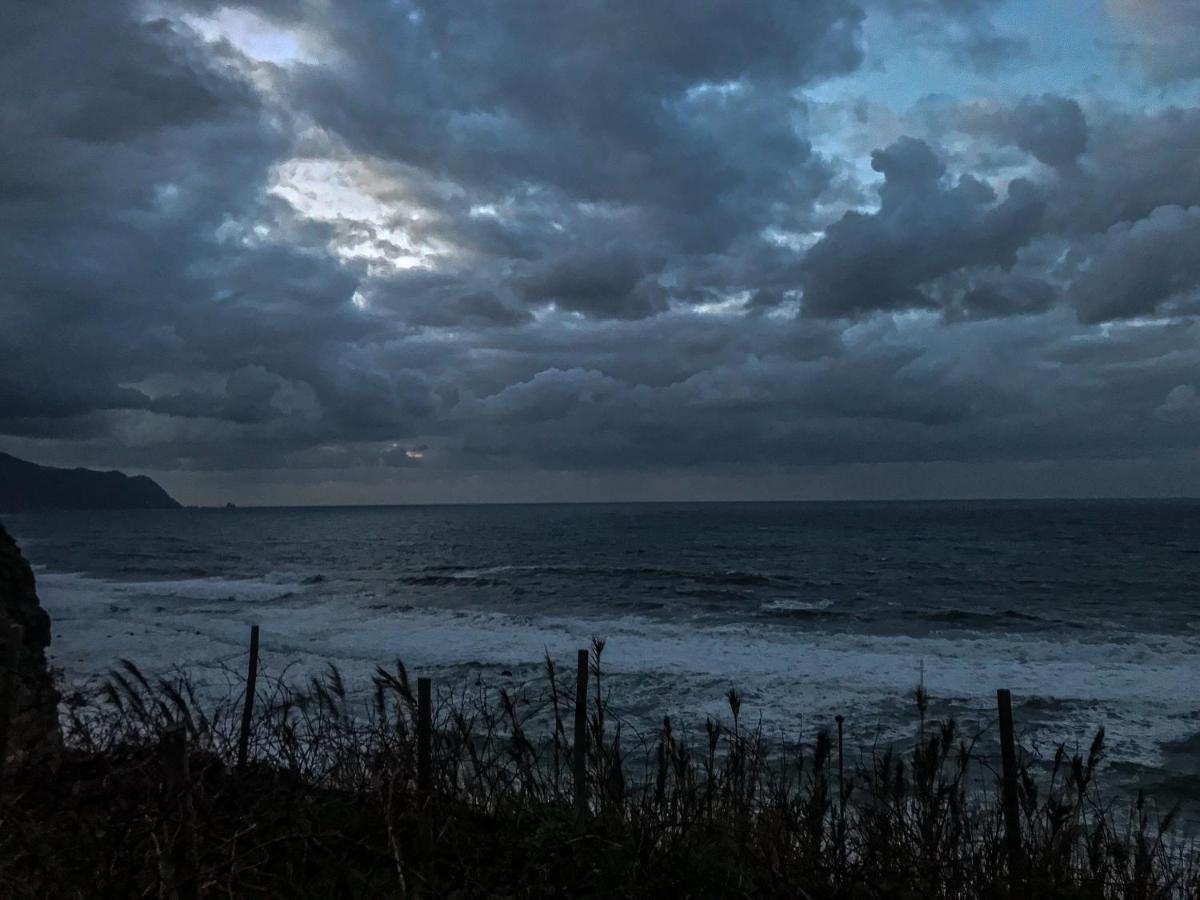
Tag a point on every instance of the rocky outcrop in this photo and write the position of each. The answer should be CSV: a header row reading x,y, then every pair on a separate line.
x,y
26,486
35,725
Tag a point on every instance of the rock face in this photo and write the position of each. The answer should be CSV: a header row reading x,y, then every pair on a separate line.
x,y
27,486
35,726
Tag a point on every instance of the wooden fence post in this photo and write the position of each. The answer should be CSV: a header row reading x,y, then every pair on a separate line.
x,y
424,735
1012,818
581,734
248,706
185,864
10,660
841,766
841,820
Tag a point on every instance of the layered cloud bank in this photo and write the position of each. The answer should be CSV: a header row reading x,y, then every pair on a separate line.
x,y
303,251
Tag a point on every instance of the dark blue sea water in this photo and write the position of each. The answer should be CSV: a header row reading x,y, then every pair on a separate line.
x,y
1088,611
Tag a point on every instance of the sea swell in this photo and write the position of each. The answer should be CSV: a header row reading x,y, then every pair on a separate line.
x,y
1139,689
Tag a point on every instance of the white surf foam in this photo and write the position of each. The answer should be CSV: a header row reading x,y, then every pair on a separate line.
x,y
1140,688
796,605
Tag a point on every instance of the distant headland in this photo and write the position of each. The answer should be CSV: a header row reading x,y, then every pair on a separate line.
x,y
26,487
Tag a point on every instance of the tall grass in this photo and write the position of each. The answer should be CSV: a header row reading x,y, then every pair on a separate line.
x,y
330,804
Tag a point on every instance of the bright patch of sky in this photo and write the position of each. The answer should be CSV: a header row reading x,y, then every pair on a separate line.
x,y
1073,49
372,216
255,37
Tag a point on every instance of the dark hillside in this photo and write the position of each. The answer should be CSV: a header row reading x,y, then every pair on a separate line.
x,y
26,486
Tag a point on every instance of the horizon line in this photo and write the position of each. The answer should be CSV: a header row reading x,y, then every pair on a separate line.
x,y
696,502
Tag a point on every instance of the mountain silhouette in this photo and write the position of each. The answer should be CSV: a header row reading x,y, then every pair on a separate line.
x,y
26,486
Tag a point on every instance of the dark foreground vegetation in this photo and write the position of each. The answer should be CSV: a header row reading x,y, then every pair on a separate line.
x,y
146,800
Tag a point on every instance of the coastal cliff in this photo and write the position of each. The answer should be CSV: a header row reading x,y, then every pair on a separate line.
x,y
26,486
35,723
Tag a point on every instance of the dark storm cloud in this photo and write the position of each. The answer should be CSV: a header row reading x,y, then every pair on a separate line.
x,y
1138,268
990,297
1052,129
101,220
926,227
134,157
683,112
630,246
829,409
1120,210
1135,163
612,283
1117,212
479,309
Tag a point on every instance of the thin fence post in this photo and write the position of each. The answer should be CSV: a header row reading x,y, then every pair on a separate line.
x,y
1008,762
9,662
248,706
185,865
424,735
841,821
581,734
841,766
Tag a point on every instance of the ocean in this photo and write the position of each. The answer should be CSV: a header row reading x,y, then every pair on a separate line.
x,y
1088,611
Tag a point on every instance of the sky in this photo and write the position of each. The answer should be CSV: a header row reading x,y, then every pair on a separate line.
x,y
306,252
